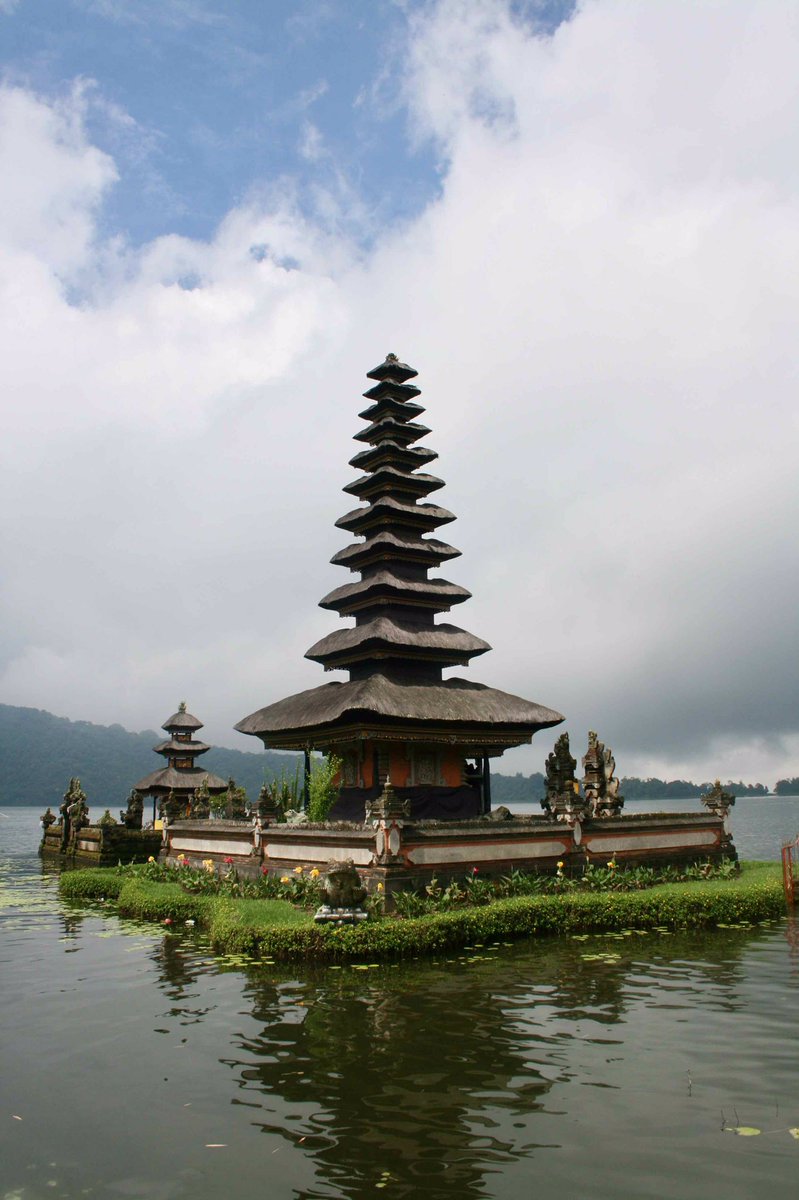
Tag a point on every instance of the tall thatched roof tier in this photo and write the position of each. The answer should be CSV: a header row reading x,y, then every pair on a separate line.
x,y
384,638
385,588
388,480
458,710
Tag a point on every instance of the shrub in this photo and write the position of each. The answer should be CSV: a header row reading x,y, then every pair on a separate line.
x,y
322,788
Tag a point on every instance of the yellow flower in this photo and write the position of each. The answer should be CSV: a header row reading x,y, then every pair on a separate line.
x,y
285,879
380,887
315,873
151,859
208,863
560,866
298,870
612,864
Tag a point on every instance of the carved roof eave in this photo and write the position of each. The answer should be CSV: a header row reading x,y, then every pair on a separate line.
x,y
392,454
388,427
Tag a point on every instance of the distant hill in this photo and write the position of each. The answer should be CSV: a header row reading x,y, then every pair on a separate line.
x,y
39,752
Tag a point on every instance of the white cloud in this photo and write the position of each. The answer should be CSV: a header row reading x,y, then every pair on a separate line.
x,y
602,304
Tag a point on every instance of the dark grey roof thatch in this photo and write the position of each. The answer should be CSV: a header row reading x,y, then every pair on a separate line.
x,y
169,779
393,369
386,583
389,481
385,509
445,642
386,544
388,403
182,720
394,455
388,426
452,701
188,748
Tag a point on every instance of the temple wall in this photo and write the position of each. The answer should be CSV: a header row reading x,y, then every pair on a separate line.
x,y
101,846
404,855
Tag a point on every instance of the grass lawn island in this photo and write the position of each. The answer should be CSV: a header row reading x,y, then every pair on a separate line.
x,y
415,748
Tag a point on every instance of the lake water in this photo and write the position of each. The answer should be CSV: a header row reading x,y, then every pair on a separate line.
x,y
136,1063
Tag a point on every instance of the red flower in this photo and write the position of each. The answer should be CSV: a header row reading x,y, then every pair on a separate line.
x,y
229,861
264,870
475,870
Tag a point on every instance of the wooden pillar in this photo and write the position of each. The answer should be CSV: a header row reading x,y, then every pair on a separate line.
x,y
486,784
306,783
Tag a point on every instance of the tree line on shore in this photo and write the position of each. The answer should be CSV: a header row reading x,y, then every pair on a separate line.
x,y
39,752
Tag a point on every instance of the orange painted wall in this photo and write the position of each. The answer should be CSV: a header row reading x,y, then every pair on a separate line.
x,y
400,766
368,764
452,767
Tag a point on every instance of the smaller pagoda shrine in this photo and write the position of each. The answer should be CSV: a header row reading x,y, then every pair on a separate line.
x,y
175,786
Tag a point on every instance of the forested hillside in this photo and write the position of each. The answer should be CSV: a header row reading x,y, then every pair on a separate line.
x,y
39,752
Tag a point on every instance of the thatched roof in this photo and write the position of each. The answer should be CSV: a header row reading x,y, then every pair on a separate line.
x,y
188,748
404,432
388,403
387,480
446,644
385,510
392,454
392,369
433,592
181,720
182,780
451,702
384,544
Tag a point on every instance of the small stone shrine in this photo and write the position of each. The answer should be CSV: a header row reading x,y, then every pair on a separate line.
x,y
397,716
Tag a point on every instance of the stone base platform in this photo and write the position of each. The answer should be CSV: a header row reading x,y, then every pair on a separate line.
x,y
404,855
101,846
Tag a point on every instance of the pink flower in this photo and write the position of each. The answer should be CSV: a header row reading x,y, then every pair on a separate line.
x,y
167,920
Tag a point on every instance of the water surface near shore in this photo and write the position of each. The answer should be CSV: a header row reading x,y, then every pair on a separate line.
x,y
141,1065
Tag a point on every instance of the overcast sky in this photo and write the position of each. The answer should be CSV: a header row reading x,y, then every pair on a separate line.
x,y
579,225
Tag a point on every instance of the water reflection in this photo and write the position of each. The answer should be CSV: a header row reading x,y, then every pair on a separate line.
x,y
422,1075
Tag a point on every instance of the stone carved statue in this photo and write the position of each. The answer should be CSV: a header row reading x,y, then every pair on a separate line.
x,y
74,814
106,820
600,785
563,801
201,801
173,808
268,808
717,800
237,800
132,817
47,819
343,895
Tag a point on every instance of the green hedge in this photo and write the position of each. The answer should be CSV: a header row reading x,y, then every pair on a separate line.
x,y
95,883
272,928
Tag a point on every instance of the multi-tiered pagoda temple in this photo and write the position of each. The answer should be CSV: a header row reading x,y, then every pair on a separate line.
x,y
397,716
181,777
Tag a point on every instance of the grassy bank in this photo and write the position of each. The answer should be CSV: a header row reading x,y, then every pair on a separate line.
x,y
276,929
